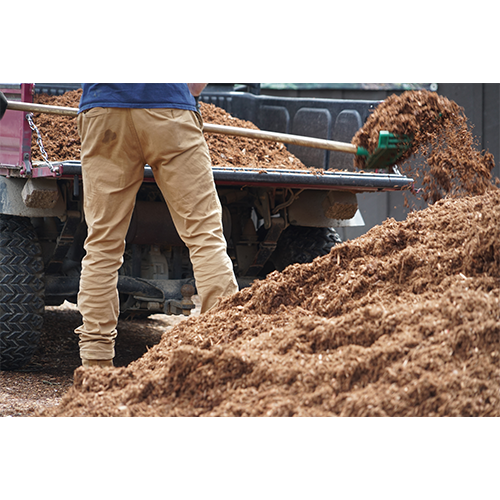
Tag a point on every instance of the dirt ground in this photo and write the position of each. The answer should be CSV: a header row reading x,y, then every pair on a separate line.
x,y
402,321
41,384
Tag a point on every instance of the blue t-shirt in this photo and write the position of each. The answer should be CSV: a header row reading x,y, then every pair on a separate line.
x,y
136,95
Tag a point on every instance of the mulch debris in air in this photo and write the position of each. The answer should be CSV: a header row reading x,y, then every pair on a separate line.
x,y
450,162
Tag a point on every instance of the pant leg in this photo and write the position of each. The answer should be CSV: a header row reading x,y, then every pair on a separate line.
x,y
113,170
176,150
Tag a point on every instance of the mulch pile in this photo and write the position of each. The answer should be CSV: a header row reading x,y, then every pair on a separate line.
x,y
402,321
62,142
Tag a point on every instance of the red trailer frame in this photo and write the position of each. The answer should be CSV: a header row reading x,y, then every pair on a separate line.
x,y
15,132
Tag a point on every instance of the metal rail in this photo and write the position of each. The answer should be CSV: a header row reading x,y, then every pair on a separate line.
x,y
294,179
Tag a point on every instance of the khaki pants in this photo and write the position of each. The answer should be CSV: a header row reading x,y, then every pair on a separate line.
x,y
116,144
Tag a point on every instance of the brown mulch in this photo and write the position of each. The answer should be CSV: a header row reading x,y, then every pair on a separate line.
x,y
62,142
403,321
450,161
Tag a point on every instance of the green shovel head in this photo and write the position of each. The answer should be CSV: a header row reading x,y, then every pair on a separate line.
x,y
389,150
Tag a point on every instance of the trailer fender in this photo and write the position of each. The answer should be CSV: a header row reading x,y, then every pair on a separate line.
x,y
319,208
42,196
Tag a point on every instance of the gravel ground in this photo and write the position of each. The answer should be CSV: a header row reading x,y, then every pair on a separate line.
x,y
42,383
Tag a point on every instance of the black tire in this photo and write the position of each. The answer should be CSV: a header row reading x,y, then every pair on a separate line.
x,y
21,292
301,245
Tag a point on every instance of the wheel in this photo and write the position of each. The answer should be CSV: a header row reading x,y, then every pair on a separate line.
x,y
300,245
21,291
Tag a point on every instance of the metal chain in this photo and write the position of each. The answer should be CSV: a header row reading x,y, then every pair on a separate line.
x,y
39,142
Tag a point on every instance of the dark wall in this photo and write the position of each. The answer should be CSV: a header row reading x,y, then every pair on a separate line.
x,y
481,102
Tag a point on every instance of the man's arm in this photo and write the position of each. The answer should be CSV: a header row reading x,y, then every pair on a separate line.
x,y
196,88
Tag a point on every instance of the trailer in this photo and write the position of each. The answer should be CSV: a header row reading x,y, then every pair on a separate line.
x,y
271,219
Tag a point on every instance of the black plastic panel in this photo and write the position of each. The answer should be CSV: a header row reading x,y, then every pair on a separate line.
x,y
333,119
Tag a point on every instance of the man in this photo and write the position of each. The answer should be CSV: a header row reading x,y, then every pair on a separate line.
x,y
122,128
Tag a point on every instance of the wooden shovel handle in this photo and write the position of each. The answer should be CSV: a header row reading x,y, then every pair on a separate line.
x,y
211,128
297,140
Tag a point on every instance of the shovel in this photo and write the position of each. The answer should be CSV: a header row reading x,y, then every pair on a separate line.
x,y
389,150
